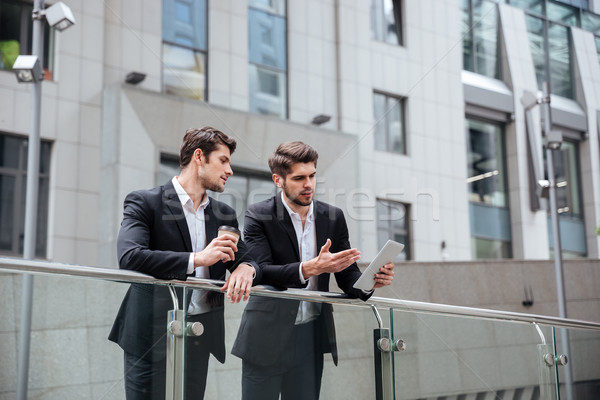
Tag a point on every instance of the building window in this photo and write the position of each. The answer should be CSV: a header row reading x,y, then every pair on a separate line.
x,y
242,189
267,51
569,200
13,183
184,52
389,128
16,26
386,21
487,185
392,224
549,41
481,53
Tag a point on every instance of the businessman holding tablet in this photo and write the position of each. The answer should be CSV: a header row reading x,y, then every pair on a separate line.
x,y
298,243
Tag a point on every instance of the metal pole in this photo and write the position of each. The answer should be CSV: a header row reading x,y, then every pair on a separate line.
x,y
31,200
558,268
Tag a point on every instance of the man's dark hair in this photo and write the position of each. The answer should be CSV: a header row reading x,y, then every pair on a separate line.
x,y
206,139
290,153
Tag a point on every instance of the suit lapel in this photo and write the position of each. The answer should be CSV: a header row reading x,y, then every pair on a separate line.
x,y
173,211
283,218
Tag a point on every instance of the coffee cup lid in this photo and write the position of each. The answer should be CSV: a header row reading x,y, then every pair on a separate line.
x,y
230,229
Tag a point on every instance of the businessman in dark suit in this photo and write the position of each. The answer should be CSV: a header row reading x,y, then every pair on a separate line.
x,y
170,232
282,342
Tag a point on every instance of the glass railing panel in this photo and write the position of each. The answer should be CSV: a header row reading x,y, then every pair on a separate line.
x,y
445,356
70,355
583,361
451,356
353,377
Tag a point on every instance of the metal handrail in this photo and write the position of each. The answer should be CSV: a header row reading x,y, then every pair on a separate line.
x,y
119,275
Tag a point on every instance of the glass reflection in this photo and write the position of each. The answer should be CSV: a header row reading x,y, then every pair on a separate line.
x,y
590,22
267,91
562,13
485,164
267,39
535,32
389,123
533,6
568,192
561,80
392,224
386,21
184,72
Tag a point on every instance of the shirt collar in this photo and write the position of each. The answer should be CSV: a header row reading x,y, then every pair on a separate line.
x,y
309,216
185,199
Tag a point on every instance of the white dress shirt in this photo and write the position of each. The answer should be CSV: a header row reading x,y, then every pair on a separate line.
x,y
307,246
197,229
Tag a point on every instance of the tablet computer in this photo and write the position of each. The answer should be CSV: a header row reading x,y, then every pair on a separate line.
x,y
388,253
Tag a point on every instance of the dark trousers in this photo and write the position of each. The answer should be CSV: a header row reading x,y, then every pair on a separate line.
x,y
296,375
145,378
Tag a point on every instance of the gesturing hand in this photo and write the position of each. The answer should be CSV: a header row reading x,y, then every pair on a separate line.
x,y
327,262
239,283
385,276
221,248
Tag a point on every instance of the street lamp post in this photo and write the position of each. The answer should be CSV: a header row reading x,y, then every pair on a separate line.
x,y
553,142
28,69
548,189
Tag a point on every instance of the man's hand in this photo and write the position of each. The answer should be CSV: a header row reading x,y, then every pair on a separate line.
x,y
221,248
327,262
385,276
239,283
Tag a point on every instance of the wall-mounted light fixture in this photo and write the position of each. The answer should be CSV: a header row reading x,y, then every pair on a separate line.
x,y
320,119
135,77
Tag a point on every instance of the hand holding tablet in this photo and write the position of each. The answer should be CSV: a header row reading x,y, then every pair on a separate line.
x,y
387,254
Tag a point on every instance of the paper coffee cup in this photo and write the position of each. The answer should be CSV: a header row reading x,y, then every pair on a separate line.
x,y
225,229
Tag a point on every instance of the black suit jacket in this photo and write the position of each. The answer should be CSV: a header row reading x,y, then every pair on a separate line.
x,y
267,323
154,239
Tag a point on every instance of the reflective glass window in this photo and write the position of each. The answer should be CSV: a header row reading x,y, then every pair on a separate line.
x,y
392,224
267,56
562,13
13,185
568,188
535,32
16,28
485,249
590,22
486,164
389,128
551,52
531,6
267,90
184,72
487,188
559,49
272,6
598,47
386,21
583,4
480,37
184,33
267,39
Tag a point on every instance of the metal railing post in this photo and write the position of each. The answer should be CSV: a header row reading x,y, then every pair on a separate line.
x,y
175,387
383,346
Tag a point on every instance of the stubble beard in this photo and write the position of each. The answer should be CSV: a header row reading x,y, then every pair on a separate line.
x,y
296,199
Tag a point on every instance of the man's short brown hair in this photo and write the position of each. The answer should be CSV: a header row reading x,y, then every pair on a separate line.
x,y
290,153
206,139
